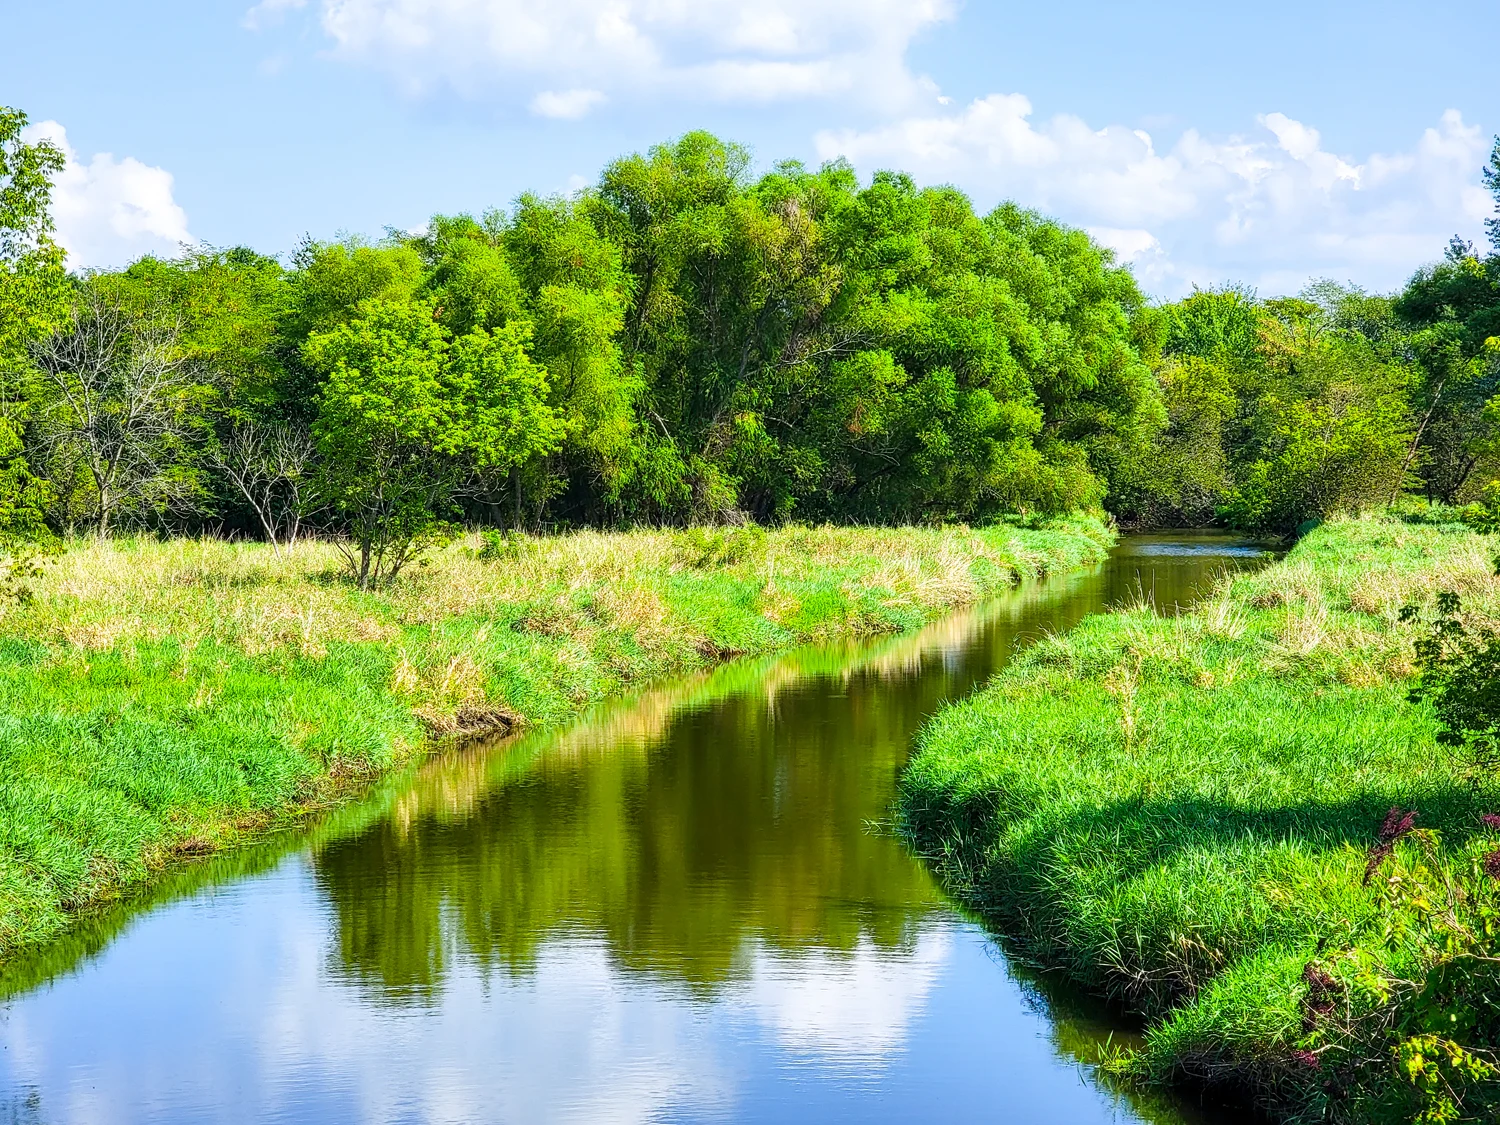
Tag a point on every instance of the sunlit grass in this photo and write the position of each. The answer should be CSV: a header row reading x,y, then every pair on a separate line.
x,y
159,699
1175,811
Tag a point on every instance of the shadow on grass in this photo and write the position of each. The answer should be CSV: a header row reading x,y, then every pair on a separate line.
x,y
1151,830
1150,898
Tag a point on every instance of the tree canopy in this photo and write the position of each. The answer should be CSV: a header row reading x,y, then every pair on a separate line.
x,y
687,341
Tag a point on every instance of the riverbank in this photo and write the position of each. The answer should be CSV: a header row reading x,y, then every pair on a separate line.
x,y
1179,813
160,700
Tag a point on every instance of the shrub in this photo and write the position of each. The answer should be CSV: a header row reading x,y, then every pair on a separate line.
x,y
1461,679
706,547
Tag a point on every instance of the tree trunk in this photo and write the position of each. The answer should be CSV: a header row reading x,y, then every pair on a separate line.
x,y
1411,453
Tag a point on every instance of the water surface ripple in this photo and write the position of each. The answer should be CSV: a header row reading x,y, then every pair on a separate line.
x,y
681,908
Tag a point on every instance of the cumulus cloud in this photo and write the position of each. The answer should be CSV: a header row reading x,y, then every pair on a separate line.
x,y
1272,206
728,50
109,211
567,104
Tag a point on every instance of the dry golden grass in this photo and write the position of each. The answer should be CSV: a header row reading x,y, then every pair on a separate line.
x,y
240,688
594,604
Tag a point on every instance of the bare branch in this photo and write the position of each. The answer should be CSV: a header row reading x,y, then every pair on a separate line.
x,y
121,402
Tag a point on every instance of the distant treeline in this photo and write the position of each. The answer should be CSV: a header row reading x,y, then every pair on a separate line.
x,y
684,342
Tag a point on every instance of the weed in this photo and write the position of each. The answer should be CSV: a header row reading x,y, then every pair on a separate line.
x,y
704,547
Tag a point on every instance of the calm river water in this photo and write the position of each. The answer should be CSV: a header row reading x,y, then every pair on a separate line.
x,y
682,908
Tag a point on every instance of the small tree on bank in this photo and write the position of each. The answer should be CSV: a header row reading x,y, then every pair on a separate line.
x,y
33,290
406,415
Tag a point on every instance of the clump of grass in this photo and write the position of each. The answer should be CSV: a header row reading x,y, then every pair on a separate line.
x,y
162,699
1176,811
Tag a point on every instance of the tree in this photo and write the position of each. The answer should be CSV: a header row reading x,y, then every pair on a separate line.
x,y
548,268
406,415
268,465
809,346
1491,175
33,290
33,286
119,398
576,294
1341,451
327,285
228,305
1183,473
1452,309
1330,427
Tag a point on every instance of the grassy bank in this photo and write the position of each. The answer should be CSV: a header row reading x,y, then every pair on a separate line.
x,y
1179,813
162,699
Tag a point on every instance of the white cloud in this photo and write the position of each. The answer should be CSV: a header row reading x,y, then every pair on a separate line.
x,y
855,1004
111,211
1128,244
269,12
567,104
757,50
1272,207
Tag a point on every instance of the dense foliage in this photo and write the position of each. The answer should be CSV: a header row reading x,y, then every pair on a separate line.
x,y
1282,410
687,343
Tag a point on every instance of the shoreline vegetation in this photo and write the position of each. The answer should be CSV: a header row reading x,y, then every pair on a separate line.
x,y
165,699
449,785
1207,819
1236,821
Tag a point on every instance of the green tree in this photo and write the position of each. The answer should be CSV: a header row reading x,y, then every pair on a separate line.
x,y
1452,313
577,293
810,346
1452,310
406,415
1184,472
1277,410
328,283
33,285
1331,427
547,268
33,302
228,305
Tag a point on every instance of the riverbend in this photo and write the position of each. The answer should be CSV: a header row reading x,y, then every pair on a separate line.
x,y
686,907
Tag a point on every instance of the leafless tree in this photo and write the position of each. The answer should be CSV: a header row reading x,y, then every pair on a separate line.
x,y
268,464
120,399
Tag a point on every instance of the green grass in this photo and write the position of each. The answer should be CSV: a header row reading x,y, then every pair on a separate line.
x,y
165,699
1176,811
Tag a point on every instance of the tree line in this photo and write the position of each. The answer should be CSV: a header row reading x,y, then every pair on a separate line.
x,y
686,342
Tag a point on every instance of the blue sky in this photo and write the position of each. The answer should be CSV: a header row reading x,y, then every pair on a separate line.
x,y
1267,144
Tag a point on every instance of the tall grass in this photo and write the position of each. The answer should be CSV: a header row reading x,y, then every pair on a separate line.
x,y
162,699
1176,811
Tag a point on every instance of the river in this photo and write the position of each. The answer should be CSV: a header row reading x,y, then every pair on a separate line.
x,y
684,907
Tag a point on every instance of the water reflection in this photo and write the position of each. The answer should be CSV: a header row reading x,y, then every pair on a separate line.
x,y
682,908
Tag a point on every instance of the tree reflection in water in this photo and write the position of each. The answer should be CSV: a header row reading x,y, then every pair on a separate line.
x,y
739,807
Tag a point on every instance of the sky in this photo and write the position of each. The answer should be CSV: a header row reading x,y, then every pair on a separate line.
x,y
1264,144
